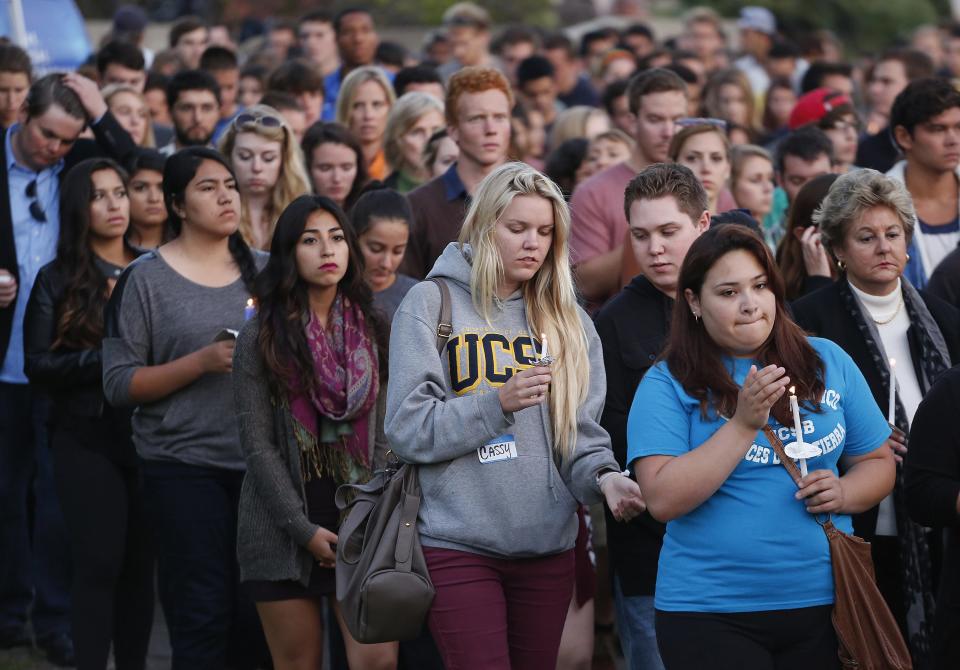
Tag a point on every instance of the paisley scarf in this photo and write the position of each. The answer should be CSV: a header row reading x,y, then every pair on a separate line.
x,y
914,551
334,421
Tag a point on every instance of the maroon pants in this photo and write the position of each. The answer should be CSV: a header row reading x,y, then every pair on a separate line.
x,y
499,614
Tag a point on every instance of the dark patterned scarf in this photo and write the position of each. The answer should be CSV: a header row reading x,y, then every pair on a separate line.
x,y
914,553
333,422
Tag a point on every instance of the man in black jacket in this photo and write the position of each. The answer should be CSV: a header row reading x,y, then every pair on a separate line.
x,y
667,209
37,152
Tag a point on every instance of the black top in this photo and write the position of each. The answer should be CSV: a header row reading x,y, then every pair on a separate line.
x,y
932,479
945,280
823,314
633,328
878,152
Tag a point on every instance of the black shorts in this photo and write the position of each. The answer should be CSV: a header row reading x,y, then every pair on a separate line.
x,y
798,639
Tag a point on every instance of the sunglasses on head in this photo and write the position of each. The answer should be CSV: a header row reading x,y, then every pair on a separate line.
x,y
265,120
36,211
701,121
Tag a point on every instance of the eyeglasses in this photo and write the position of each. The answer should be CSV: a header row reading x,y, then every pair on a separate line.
x,y
701,121
36,211
265,120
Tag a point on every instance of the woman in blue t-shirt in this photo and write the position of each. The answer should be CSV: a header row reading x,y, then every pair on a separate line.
x,y
744,578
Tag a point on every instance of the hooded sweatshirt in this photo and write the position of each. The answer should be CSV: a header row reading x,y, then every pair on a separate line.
x,y
490,482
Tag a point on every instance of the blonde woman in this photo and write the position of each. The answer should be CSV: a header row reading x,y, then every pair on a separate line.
x,y
705,149
261,148
581,121
506,446
130,109
410,125
363,104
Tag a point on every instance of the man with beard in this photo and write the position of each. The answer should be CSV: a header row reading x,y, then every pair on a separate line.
x,y
194,100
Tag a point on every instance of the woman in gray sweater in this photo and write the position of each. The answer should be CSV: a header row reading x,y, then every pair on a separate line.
x,y
163,354
308,393
507,441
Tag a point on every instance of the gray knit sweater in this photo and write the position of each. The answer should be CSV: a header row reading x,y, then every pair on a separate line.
x,y
273,528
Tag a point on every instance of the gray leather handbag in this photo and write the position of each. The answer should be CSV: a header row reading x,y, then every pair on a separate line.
x,y
383,585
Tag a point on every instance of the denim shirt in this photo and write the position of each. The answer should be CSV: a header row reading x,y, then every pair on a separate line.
x,y
36,243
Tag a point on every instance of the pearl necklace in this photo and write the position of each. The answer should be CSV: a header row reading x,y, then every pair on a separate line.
x,y
893,316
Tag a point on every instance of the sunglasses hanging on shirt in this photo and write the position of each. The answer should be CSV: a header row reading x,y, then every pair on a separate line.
x,y
36,211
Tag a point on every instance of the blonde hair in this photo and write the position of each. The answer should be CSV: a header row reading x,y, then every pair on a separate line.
x,y
348,90
572,123
549,297
410,108
740,154
111,90
292,181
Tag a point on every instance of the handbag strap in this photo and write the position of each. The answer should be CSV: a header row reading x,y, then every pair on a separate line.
x,y
445,323
788,462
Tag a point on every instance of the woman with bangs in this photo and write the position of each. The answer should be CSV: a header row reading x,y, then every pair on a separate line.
x,y
498,519
309,378
263,152
697,439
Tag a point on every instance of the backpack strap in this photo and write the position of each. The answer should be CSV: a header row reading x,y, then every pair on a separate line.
x,y
445,323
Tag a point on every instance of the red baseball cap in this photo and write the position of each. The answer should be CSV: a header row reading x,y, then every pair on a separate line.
x,y
813,106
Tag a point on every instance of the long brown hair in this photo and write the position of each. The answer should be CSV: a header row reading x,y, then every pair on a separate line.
x,y
790,249
696,361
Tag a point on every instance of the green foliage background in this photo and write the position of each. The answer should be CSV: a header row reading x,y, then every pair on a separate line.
x,y
862,25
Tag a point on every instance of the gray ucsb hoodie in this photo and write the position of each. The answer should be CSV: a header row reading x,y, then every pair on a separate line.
x,y
490,483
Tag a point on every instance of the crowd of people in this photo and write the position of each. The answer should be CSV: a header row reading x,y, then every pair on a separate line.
x,y
213,314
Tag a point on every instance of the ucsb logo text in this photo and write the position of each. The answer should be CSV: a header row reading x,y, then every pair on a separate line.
x,y
474,357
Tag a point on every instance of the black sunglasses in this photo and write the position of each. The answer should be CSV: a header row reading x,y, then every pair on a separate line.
x,y
36,211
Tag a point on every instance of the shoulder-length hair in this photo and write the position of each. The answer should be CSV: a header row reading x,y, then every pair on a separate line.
x,y
697,362
108,92
549,297
352,82
853,194
711,94
790,250
572,123
321,133
283,303
80,312
292,181
410,108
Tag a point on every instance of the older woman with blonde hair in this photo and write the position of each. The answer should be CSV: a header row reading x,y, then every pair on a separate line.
x,y
897,336
461,416
261,148
129,107
576,122
412,122
363,105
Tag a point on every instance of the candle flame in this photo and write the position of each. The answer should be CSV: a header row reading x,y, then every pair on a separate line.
x,y
893,362
249,302
793,390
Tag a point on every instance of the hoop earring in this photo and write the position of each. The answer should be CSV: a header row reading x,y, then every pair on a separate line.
x,y
696,317
841,265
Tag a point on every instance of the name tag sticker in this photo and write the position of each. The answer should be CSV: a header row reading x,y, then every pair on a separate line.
x,y
502,448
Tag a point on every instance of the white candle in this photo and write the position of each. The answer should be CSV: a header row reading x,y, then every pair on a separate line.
x,y
798,428
544,351
892,406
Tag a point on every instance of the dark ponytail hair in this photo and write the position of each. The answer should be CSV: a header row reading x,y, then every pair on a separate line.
x,y
379,203
282,297
80,311
178,172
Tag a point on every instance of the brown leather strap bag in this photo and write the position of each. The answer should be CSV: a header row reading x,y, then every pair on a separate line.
x,y
866,630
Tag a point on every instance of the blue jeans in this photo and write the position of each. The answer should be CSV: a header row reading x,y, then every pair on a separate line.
x,y
193,513
635,622
34,554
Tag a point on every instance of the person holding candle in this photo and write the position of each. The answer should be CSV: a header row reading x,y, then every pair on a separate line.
x,y
160,356
112,576
319,373
874,313
695,443
505,447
